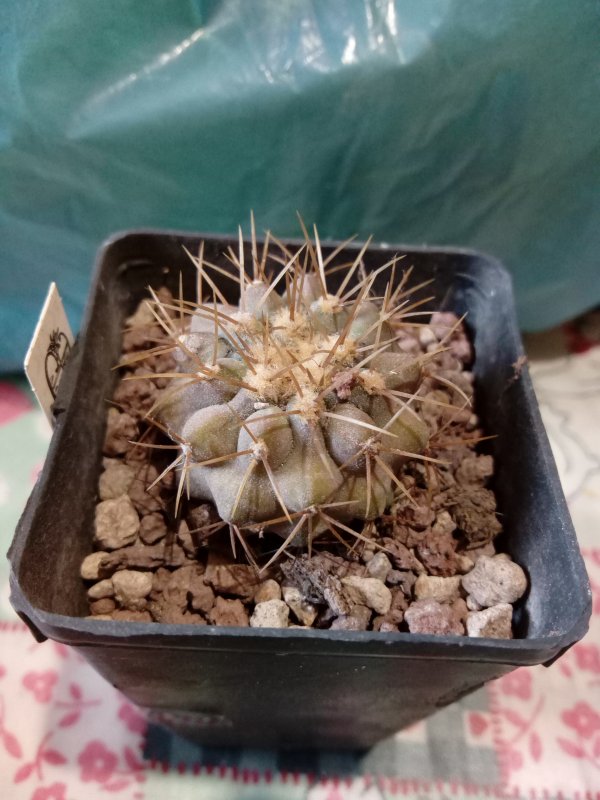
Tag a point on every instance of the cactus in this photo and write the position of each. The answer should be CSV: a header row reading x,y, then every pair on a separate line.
x,y
294,409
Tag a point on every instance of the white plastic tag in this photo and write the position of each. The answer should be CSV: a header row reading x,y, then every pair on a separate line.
x,y
48,352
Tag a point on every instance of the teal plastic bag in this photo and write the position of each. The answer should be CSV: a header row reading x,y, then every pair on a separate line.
x,y
462,122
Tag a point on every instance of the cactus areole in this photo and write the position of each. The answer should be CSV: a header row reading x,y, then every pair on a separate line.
x,y
295,408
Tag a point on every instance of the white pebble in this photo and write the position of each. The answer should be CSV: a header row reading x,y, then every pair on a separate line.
x,y
270,614
472,604
368,553
101,590
464,563
90,566
427,337
444,523
430,587
304,611
379,567
131,588
495,580
493,623
370,592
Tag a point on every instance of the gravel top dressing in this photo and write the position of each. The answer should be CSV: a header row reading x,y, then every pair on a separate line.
x,y
309,458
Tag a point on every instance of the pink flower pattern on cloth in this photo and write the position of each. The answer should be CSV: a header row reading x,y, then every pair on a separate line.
x,y
54,792
587,657
41,684
517,683
132,718
583,719
97,763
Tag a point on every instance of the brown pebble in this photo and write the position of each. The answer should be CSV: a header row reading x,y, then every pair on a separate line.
x,y
174,554
136,396
163,362
237,579
116,523
228,612
121,428
175,591
429,616
105,605
460,609
115,480
475,470
442,322
462,349
185,539
401,556
437,551
202,597
395,615
144,499
159,580
143,556
403,579
131,616
347,623
268,590
136,456
419,518
357,620
140,338
444,524
153,528
201,516
388,627
170,615
165,296
475,515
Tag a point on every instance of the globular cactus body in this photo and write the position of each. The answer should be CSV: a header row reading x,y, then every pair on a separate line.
x,y
294,407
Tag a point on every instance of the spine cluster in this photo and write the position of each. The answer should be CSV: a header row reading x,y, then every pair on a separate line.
x,y
294,409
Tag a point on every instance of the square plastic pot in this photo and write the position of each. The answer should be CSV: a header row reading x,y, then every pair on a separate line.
x,y
293,688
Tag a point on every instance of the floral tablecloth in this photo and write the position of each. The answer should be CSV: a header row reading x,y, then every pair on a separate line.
x,y
66,734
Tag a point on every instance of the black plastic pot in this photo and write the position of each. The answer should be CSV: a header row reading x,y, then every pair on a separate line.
x,y
290,688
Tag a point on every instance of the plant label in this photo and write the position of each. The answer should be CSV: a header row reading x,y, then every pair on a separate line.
x,y
48,352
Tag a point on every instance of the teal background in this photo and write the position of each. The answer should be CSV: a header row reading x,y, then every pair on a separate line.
x,y
465,122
